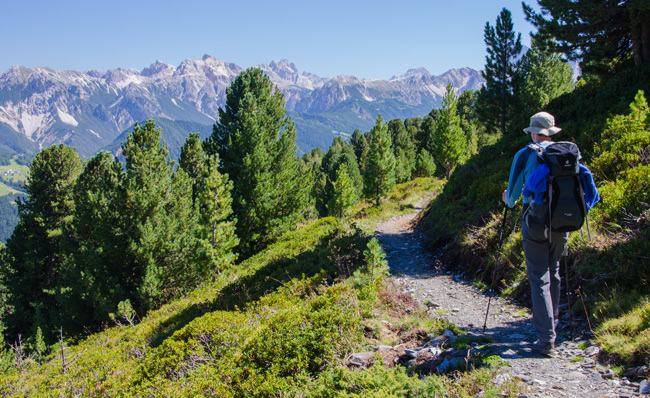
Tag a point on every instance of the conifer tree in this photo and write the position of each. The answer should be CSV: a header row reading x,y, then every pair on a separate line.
x,y
540,78
35,248
450,143
212,204
596,32
216,227
404,148
161,222
425,165
379,175
359,144
344,193
496,97
194,161
339,153
255,141
102,273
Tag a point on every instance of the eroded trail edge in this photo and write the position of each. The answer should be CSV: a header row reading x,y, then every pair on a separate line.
x,y
574,373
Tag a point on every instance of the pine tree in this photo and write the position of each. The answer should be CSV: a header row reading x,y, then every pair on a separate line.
x,y
450,141
103,275
425,165
161,221
35,248
339,153
255,141
344,193
216,227
379,175
405,149
540,78
503,47
359,144
194,161
596,31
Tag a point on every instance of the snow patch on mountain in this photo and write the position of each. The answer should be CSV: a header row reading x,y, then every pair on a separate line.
x,y
31,123
67,118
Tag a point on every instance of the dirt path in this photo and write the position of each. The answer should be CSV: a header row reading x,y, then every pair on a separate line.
x,y
509,325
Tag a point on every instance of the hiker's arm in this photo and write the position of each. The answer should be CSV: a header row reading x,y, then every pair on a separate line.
x,y
515,181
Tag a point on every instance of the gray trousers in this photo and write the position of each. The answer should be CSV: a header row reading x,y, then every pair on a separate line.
x,y
543,265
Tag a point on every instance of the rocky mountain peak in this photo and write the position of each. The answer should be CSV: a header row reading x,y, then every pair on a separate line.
x,y
158,69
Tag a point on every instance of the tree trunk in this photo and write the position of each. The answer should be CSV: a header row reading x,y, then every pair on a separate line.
x,y
640,21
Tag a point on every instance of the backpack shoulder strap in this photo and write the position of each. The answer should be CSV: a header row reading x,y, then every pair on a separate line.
x,y
538,150
534,149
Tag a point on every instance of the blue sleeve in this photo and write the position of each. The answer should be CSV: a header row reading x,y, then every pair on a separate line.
x,y
589,187
516,179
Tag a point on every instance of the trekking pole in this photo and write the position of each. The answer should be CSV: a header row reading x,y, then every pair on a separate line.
x,y
496,262
568,294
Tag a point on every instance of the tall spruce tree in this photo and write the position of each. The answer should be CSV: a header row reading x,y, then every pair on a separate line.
x,y
379,175
495,99
35,249
256,143
450,142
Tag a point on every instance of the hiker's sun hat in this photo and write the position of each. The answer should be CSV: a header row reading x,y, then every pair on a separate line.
x,y
542,123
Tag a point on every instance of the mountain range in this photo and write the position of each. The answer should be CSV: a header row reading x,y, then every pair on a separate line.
x,y
94,110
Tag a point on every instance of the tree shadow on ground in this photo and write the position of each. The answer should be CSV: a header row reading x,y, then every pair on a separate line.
x,y
336,256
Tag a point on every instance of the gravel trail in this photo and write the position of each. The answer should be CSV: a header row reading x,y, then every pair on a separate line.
x,y
509,325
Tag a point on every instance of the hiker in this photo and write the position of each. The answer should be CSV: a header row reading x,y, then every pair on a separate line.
x,y
543,246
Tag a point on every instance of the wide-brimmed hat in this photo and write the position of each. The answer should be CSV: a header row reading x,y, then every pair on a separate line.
x,y
542,123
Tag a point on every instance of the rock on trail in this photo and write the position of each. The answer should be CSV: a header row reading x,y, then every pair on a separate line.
x,y
573,373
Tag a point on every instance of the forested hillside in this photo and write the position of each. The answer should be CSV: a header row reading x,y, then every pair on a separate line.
x,y
241,269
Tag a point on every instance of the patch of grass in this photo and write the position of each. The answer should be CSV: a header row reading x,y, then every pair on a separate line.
x,y
465,341
577,359
584,345
627,337
480,285
618,370
495,360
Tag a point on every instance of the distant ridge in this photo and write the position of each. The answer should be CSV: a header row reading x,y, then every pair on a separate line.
x,y
90,110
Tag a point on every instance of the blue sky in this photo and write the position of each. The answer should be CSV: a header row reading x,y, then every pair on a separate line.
x,y
377,39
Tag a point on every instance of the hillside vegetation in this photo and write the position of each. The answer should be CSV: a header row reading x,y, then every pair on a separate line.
x,y
610,271
282,323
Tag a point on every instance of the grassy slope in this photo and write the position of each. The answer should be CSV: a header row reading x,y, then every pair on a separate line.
x,y
24,171
281,323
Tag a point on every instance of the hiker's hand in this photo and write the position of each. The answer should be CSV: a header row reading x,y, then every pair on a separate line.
x,y
504,196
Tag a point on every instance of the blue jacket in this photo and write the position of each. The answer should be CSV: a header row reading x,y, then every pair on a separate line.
x,y
523,165
537,183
